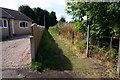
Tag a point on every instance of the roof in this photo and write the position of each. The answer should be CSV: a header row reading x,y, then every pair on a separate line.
x,y
13,14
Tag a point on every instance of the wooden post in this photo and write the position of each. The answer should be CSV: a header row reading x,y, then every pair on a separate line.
x,y
118,69
87,48
110,44
98,43
73,37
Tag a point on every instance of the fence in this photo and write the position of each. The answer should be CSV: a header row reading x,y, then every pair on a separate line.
x,y
37,32
112,42
80,38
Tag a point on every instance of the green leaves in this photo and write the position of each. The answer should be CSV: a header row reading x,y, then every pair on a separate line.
x,y
103,16
36,66
80,27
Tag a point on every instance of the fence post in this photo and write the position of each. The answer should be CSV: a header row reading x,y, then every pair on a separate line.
x,y
118,69
110,44
73,36
98,43
32,48
87,48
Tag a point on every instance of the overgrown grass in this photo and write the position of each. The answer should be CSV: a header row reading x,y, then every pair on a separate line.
x,y
75,63
79,42
101,52
48,53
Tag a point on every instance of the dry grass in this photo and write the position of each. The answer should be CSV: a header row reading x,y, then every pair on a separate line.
x,y
75,52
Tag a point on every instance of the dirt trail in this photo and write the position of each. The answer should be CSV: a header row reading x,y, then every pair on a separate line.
x,y
16,52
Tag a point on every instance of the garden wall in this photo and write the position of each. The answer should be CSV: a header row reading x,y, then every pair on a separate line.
x,y
37,32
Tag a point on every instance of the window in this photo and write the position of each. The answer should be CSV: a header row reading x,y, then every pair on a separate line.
x,y
23,24
3,24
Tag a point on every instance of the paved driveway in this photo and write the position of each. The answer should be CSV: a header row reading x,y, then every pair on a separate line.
x,y
16,52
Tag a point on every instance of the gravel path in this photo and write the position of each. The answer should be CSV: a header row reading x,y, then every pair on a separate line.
x,y
16,52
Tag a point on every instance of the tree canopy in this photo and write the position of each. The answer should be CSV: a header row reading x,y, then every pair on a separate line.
x,y
39,15
104,17
62,19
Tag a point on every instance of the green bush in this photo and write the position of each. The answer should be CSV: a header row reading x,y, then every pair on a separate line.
x,y
36,66
80,27
114,55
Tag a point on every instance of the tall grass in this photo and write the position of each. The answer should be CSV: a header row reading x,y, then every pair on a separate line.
x,y
102,53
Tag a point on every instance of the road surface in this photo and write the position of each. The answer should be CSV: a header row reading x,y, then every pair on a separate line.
x,y
16,52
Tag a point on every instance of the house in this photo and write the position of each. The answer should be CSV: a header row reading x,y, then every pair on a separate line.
x,y
13,22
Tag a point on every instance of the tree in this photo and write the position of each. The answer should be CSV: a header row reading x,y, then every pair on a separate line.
x,y
104,17
28,11
39,15
62,19
53,18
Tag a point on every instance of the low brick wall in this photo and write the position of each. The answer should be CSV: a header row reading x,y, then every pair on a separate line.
x,y
37,32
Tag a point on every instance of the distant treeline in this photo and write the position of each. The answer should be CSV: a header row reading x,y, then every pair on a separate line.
x,y
39,15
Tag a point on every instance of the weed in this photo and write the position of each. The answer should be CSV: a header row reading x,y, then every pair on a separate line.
x,y
37,66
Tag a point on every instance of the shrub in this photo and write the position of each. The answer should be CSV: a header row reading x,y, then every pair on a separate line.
x,y
114,55
36,66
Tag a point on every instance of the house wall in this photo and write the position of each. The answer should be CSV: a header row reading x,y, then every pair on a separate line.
x,y
18,30
10,26
4,32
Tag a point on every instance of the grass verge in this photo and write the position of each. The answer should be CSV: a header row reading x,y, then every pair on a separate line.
x,y
47,57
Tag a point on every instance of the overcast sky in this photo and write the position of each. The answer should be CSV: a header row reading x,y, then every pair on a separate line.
x,y
57,6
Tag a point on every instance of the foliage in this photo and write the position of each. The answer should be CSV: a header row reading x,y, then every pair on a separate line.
x,y
114,55
62,19
80,27
28,12
36,66
38,15
103,17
